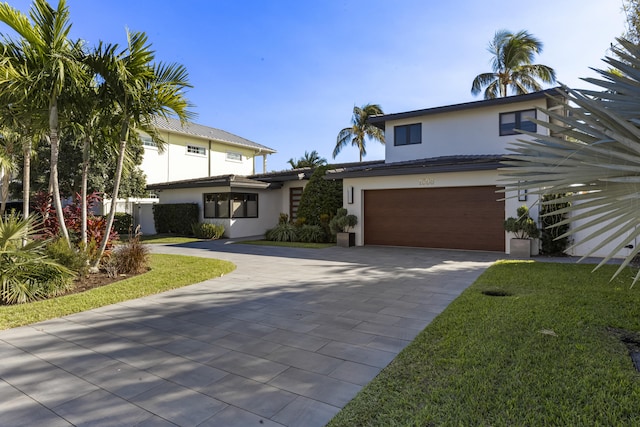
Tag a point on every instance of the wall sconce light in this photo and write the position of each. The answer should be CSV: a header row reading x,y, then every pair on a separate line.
x,y
350,195
522,194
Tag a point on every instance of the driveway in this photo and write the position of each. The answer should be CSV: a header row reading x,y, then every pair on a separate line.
x,y
286,339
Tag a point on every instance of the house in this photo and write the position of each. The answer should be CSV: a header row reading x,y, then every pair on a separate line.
x,y
246,205
197,151
438,185
191,152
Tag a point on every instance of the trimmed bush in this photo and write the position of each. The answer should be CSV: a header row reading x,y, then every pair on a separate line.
x,y
122,223
175,218
205,230
320,197
282,233
342,222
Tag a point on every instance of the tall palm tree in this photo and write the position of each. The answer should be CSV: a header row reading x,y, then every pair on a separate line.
x,y
140,90
309,160
359,130
49,65
512,66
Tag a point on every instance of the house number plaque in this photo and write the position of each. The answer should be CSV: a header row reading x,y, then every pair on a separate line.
x,y
426,181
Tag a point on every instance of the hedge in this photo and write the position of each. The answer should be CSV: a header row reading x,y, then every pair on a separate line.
x,y
175,218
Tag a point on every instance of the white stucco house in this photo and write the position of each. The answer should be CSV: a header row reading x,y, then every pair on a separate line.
x,y
439,185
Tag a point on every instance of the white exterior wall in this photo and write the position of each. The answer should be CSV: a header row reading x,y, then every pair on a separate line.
x,y
269,202
473,131
453,179
175,163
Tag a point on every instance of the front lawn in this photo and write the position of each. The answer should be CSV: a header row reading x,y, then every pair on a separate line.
x,y
549,352
167,272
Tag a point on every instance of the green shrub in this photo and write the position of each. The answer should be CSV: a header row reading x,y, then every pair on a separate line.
x,y
342,222
282,233
205,230
122,223
320,197
175,218
74,259
311,234
523,227
129,258
26,273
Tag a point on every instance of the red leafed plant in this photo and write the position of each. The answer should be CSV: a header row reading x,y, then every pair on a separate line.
x,y
96,225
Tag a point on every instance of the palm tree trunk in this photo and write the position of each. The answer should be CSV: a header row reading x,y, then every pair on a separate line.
x,y
26,176
85,178
53,178
114,196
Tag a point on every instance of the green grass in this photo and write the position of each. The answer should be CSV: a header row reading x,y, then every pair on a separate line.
x,y
167,239
167,272
546,355
287,244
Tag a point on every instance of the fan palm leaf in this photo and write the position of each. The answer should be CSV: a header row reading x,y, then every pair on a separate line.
x,y
594,156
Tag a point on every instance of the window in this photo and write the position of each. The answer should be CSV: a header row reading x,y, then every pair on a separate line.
x,y
194,149
509,122
148,142
407,134
234,157
230,205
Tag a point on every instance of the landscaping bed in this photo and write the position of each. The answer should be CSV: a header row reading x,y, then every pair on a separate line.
x,y
527,344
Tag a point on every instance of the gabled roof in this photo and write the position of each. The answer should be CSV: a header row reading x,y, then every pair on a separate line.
x,y
462,163
379,121
208,133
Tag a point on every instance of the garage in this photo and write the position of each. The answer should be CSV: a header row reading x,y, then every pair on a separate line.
x,y
450,217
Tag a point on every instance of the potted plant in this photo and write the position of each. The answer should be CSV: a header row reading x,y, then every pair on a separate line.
x,y
340,225
524,229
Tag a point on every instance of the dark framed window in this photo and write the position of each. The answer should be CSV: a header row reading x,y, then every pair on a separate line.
x,y
407,134
230,205
509,122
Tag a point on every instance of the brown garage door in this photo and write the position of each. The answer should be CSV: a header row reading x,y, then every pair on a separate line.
x,y
452,217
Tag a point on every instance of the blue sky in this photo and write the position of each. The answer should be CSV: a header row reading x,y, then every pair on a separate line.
x,y
287,73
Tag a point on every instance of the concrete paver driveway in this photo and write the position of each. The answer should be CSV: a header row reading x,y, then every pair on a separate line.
x,y
287,339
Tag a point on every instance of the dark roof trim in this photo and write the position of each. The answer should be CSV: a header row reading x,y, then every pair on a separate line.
x,y
232,181
424,166
379,121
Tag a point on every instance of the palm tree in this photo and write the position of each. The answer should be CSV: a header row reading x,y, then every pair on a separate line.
x,y
592,156
309,160
512,66
8,151
140,90
360,129
46,62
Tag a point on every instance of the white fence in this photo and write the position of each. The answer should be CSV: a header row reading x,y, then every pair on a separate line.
x,y
141,209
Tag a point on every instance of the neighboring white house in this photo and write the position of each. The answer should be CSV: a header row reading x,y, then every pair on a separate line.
x,y
196,151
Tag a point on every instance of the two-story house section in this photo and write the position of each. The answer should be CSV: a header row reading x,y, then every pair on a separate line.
x,y
438,185
196,151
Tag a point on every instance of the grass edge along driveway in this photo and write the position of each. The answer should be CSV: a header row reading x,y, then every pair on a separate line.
x,y
167,272
548,353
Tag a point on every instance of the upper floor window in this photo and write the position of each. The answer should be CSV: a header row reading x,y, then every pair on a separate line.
x,y
194,149
148,142
234,157
509,122
230,205
407,134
